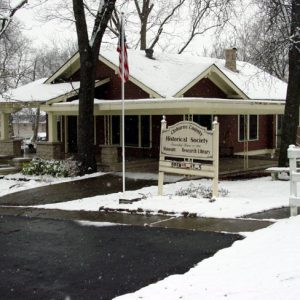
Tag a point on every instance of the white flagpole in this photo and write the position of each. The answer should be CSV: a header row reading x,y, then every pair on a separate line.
x,y
123,102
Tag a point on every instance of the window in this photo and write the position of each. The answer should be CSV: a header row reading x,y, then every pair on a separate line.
x,y
145,131
132,131
203,120
115,129
248,127
137,131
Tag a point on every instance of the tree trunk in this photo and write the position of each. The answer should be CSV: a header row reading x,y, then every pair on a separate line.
x,y
36,124
291,113
89,52
143,35
85,137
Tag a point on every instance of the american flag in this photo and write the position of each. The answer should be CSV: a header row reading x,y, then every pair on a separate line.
x,y
121,63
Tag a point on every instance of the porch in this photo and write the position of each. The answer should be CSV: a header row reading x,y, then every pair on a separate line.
x,y
228,167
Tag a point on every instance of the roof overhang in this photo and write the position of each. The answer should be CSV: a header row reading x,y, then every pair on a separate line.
x,y
138,83
67,69
74,92
73,65
174,106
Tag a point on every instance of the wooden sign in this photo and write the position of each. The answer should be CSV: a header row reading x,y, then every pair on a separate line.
x,y
189,149
188,140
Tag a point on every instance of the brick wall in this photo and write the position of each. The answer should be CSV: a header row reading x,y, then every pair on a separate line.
x,y
11,148
229,134
47,150
205,88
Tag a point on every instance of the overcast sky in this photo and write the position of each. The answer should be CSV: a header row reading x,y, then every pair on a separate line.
x,y
43,32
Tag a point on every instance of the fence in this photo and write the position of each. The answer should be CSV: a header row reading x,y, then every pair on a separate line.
x,y
294,157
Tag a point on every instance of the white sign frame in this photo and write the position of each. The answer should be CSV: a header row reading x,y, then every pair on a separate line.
x,y
188,140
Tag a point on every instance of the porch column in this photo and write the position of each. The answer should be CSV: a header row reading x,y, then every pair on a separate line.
x,y
52,148
4,126
52,127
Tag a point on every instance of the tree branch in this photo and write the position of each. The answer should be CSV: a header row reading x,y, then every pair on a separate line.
x,y
5,21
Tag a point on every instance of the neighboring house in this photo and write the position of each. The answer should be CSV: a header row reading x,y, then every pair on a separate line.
x,y
23,125
248,102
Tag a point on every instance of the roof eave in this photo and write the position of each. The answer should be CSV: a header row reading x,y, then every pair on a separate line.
x,y
151,92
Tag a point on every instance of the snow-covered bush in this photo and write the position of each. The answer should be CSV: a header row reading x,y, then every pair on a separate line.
x,y
199,191
55,168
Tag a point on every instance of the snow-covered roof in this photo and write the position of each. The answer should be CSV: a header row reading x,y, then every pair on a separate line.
x,y
167,74
38,91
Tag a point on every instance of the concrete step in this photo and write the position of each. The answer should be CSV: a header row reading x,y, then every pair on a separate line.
x,y
4,159
19,161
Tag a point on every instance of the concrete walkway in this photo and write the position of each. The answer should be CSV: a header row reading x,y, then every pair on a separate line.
x,y
111,183
67,191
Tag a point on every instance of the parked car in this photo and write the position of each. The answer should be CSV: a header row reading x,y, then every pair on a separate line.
x,y
28,143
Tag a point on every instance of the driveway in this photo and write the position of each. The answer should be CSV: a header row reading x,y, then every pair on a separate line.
x,y
56,259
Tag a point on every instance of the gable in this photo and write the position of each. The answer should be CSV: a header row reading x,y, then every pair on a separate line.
x,y
219,79
66,71
112,90
205,88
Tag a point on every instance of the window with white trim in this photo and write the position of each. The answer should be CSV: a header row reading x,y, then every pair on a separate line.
x,y
248,127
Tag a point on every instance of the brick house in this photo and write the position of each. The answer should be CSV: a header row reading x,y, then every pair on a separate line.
x,y
249,104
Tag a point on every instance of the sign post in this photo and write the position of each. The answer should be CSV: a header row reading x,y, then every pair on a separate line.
x,y
216,157
190,149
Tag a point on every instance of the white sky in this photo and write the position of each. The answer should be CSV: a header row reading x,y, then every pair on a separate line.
x,y
43,32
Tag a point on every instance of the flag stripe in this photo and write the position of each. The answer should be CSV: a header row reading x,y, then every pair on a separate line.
x,y
121,63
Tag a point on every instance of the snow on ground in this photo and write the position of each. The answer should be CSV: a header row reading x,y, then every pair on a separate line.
x,y
19,182
262,266
98,224
245,197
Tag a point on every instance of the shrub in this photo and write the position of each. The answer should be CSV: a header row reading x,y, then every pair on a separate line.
x,y
200,191
55,168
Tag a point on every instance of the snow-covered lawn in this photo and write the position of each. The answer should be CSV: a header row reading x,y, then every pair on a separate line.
x,y
263,266
245,197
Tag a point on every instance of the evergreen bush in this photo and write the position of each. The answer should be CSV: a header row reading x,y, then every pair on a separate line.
x,y
199,191
55,168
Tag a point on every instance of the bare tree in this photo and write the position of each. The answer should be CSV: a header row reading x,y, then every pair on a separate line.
x,y
14,58
181,20
291,113
153,15
206,15
89,52
47,59
7,13
261,39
